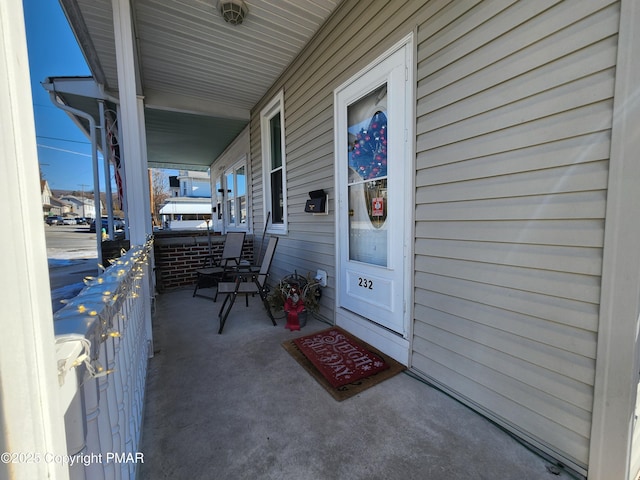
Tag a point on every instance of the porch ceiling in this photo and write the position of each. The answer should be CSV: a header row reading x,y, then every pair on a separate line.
x,y
200,76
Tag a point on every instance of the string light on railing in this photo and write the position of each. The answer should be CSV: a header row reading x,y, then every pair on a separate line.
x,y
110,333
101,301
96,369
89,280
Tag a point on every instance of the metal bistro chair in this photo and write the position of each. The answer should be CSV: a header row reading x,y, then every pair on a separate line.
x,y
257,283
257,251
216,272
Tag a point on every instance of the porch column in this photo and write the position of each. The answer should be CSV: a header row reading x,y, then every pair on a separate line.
x,y
30,416
134,147
617,366
132,127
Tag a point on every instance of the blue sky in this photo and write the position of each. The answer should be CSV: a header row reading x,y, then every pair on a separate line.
x,y
64,152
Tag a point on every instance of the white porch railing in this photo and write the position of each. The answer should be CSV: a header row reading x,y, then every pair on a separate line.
x,y
103,343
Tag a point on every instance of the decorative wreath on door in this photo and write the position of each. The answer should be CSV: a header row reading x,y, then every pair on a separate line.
x,y
369,152
368,159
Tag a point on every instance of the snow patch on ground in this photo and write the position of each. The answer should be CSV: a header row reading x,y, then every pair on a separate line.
x,y
64,254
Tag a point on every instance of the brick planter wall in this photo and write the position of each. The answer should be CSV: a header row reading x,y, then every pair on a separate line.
x,y
179,254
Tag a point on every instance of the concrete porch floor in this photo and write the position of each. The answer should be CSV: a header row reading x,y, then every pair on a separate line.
x,y
238,406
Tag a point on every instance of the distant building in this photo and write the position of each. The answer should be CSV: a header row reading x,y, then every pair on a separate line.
x,y
174,186
194,184
80,207
59,208
189,206
45,191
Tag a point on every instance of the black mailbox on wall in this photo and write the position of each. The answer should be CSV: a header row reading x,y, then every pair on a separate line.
x,y
317,202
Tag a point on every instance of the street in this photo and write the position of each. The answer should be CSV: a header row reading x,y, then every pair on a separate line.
x,y
72,255
70,241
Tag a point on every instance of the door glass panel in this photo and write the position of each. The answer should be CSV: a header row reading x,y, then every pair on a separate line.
x,y
219,198
231,200
242,209
367,178
241,187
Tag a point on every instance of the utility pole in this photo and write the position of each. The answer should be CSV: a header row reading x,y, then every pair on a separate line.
x,y
40,169
83,185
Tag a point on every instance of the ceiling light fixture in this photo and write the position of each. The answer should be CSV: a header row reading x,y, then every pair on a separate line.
x,y
233,11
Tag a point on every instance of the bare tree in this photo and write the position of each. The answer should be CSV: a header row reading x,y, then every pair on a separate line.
x,y
159,193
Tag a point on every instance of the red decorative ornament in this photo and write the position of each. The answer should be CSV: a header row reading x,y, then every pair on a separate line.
x,y
293,306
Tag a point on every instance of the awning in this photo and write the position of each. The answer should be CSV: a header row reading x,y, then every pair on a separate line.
x,y
186,208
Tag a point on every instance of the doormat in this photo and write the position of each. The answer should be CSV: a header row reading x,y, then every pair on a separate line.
x,y
341,363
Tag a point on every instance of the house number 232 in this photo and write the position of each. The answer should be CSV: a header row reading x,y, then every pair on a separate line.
x,y
365,283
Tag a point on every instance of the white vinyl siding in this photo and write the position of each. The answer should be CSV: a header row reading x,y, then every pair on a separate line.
x,y
513,139
513,125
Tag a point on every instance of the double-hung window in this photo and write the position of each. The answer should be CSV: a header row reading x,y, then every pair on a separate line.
x,y
274,164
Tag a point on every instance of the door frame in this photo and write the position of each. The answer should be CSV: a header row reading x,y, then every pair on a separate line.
x,y
394,344
242,161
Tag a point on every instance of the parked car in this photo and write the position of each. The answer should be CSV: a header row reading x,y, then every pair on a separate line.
x,y
81,221
118,225
69,221
54,220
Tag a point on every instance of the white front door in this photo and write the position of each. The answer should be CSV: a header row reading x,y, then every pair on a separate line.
x,y
373,163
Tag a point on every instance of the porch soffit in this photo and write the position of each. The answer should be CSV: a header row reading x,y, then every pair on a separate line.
x,y
199,76
174,139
